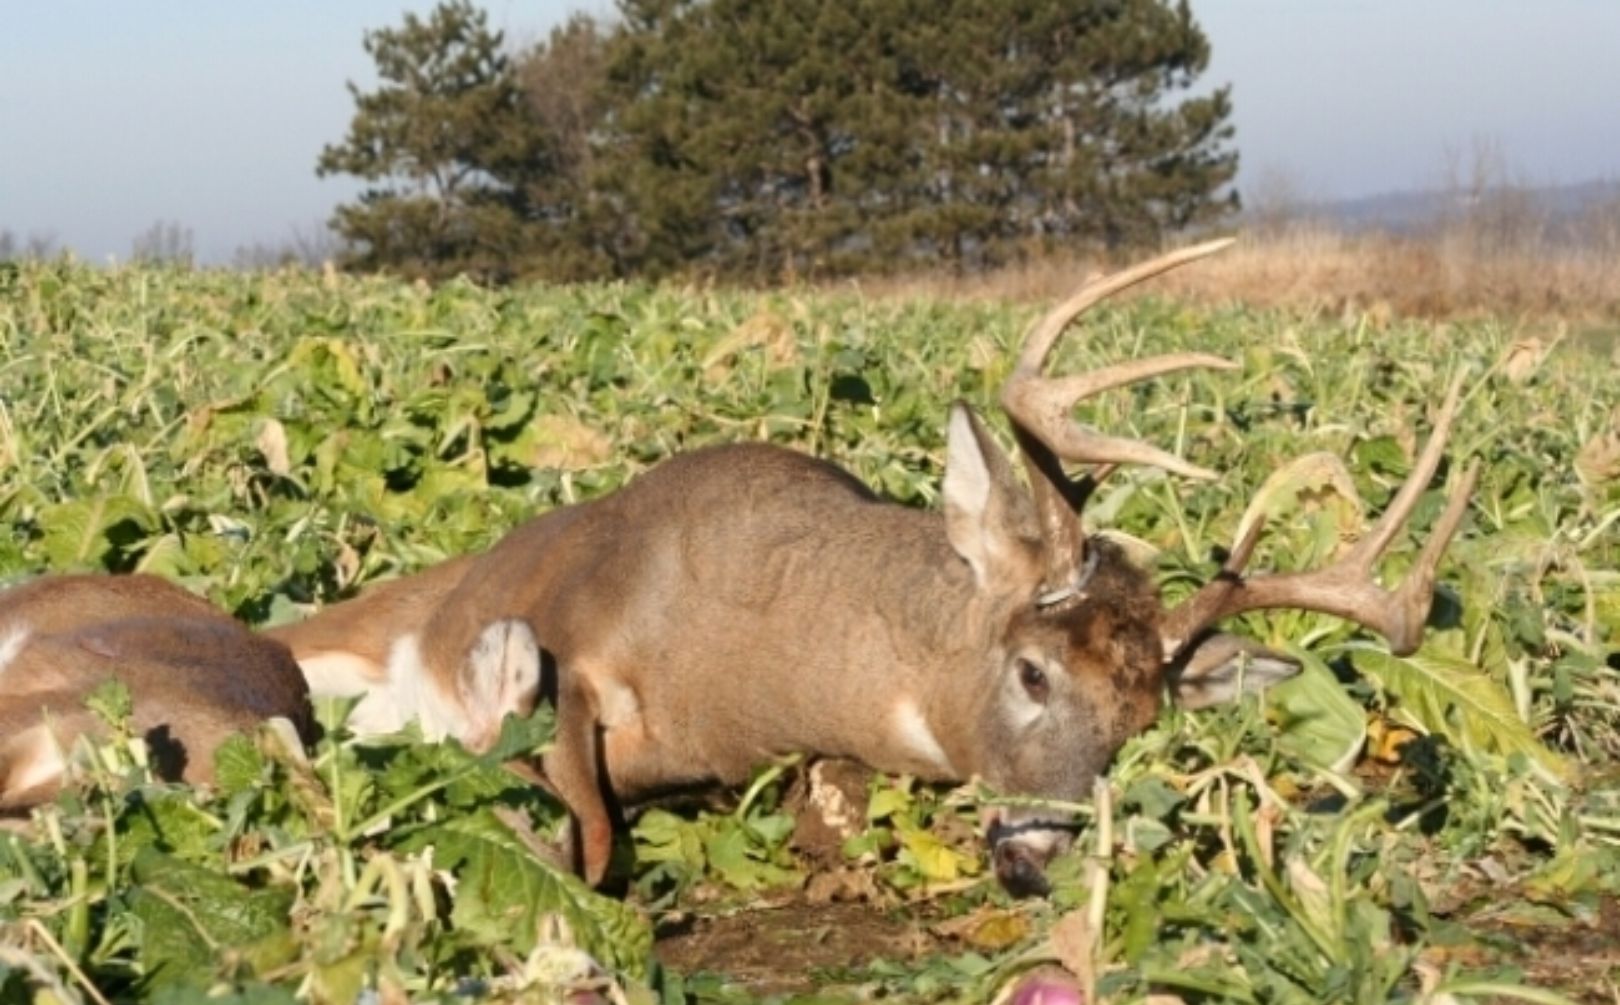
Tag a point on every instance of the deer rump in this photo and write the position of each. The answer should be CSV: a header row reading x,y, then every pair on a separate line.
x,y
742,602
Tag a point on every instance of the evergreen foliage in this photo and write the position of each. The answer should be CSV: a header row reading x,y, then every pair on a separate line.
x,y
447,147
770,139
562,86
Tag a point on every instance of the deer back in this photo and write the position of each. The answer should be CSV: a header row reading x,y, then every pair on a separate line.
x,y
736,603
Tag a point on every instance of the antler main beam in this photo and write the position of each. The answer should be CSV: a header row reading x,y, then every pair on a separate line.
x,y
1346,588
1039,409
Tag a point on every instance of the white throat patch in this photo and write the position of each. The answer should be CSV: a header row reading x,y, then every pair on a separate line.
x,y
911,729
402,691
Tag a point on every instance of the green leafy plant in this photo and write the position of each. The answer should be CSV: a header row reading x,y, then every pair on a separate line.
x,y
1382,828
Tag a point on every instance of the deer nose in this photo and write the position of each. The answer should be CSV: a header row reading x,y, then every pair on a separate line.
x,y
1018,871
1022,842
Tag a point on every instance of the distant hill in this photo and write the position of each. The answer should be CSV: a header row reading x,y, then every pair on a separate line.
x,y
1414,210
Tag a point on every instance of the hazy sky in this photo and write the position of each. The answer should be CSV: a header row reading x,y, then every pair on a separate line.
x,y
116,114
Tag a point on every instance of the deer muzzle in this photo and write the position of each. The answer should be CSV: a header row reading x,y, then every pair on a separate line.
x,y
1023,840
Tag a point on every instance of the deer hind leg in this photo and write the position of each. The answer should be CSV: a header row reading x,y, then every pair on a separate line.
x,y
504,673
573,766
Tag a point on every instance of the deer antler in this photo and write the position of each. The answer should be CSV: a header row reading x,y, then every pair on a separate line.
x,y
1346,588
1039,406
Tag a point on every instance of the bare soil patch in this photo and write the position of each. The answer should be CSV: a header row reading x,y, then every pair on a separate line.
x,y
792,947
1580,957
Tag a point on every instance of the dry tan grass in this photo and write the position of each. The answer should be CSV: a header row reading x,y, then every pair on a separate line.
x,y
1444,274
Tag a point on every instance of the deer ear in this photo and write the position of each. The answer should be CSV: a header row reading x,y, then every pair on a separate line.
x,y
987,515
1220,667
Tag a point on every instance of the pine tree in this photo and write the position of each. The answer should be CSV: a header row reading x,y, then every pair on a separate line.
x,y
563,84
1120,154
806,136
755,137
453,158
1057,121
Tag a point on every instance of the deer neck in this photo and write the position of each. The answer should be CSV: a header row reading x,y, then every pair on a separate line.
x,y
949,648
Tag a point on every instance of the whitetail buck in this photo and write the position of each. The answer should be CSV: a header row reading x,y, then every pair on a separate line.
x,y
742,602
195,675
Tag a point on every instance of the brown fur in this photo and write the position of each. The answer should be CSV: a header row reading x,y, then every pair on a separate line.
x,y
357,625
196,675
742,602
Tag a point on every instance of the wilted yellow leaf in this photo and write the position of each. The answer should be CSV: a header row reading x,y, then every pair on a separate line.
x,y
983,353
1074,943
1523,358
841,886
1316,480
562,441
986,928
768,329
1312,894
1385,739
937,861
272,443
1598,460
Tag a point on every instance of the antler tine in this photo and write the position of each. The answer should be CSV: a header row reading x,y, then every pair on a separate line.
x,y
1208,605
1346,588
1367,550
1039,407
1038,343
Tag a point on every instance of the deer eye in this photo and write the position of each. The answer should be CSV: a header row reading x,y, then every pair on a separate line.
x,y
1033,678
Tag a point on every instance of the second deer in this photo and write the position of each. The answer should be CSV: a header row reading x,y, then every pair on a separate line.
x,y
195,676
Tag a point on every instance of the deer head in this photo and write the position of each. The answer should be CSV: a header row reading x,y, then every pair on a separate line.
x,y
1082,649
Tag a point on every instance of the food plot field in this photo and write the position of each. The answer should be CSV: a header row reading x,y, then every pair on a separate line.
x,y
1441,827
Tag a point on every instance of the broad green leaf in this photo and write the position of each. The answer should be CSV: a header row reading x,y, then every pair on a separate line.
x,y
512,412
1454,698
251,993
87,531
111,702
1316,720
329,362
192,917
886,802
238,765
1606,606
1154,797
167,820
524,736
503,890
165,557
738,861
661,836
